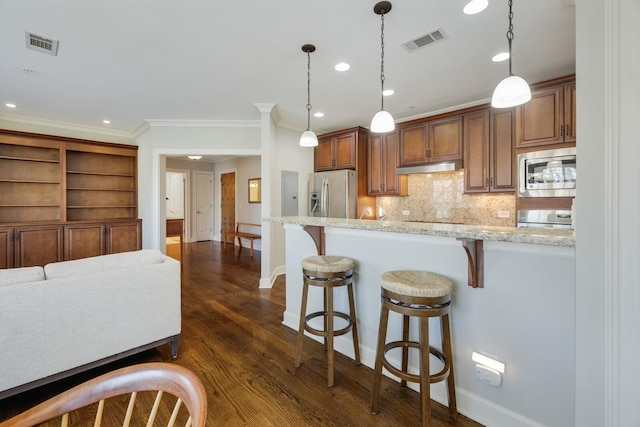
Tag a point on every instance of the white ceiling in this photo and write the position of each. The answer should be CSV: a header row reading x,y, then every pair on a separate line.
x,y
130,61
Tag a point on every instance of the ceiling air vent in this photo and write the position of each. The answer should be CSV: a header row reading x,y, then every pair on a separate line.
x,y
425,40
41,44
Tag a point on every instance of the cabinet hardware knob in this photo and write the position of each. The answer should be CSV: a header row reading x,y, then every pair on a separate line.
x,y
561,130
568,127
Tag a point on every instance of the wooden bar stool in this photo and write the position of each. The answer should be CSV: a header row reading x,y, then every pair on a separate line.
x,y
420,294
328,272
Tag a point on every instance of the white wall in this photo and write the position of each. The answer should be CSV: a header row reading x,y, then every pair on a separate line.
x,y
607,205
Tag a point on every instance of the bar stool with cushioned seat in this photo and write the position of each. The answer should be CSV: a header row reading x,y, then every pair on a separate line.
x,y
328,272
420,294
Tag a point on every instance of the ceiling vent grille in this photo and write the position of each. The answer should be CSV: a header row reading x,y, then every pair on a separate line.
x,y
425,40
41,44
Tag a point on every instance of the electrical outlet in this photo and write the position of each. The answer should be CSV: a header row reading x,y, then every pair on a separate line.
x,y
406,213
488,375
504,214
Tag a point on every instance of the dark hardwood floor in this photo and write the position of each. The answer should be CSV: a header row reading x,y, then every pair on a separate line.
x,y
233,338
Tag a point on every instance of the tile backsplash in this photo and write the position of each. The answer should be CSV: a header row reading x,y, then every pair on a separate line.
x,y
439,197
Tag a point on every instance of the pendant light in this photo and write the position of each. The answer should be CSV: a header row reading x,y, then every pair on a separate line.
x,y
382,121
308,138
512,90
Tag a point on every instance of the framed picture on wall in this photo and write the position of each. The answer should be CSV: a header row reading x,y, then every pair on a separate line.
x,y
254,190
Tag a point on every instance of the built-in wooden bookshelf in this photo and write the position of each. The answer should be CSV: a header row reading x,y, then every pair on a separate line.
x,y
47,181
30,187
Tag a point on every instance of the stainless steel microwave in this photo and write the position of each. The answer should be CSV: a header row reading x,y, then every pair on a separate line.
x,y
547,173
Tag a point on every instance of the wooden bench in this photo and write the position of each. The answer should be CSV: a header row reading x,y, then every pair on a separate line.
x,y
242,234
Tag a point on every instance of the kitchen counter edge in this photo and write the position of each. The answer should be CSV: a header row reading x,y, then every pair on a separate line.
x,y
535,236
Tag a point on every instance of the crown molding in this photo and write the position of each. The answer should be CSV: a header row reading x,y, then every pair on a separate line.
x,y
53,124
203,123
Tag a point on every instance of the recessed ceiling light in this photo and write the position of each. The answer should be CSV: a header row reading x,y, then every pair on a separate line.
x,y
475,6
502,56
342,66
195,157
388,92
318,114
106,122
10,105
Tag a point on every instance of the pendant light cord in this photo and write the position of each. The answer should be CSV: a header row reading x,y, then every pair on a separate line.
x,y
510,32
382,60
308,90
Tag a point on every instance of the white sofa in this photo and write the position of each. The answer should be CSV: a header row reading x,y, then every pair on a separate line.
x,y
74,315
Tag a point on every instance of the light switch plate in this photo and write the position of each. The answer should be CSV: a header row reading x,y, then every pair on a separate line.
x,y
504,214
405,213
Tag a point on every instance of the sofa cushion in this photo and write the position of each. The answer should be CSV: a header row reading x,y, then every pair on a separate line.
x,y
102,263
12,276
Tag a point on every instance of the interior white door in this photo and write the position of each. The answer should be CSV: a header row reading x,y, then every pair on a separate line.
x,y
204,205
175,195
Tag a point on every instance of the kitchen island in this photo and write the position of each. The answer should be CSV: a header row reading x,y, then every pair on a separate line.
x,y
524,314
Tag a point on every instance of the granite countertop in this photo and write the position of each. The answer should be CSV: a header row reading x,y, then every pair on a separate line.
x,y
536,236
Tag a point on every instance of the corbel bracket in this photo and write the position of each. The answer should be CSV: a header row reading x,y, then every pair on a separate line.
x,y
317,234
475,256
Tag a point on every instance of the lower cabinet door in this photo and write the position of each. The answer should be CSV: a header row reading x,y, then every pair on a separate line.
x,y
124,236
83,240
6,247
38,245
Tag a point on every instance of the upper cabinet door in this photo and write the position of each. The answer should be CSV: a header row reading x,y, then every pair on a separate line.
x,y
345,151
336,152
549,118
324,155
570,112
502,150
541,120
476,152
445,139
413,145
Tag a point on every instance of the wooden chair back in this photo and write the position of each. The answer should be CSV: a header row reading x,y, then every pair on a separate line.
x,y
175,385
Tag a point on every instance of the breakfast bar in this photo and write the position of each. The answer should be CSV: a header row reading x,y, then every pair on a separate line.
x,y
523,314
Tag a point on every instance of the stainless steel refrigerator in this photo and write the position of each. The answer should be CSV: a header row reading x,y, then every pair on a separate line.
x,y
333,194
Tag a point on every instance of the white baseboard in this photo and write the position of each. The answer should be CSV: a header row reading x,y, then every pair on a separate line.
x,y
267,283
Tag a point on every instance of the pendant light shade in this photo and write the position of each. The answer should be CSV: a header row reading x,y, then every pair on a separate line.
x,y
382,121
512,90
308,138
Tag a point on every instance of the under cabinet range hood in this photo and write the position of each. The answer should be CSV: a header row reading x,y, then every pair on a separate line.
x,y
430,168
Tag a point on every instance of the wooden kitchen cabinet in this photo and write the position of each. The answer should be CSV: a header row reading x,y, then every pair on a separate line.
x,y
382,160
549,118
336,151
431,141
489,151
445,139
347,149
413,145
